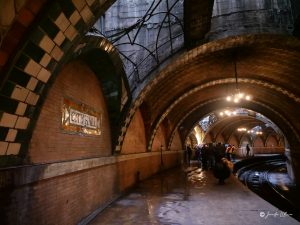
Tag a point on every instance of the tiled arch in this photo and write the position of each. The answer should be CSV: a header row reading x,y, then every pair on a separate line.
x,y
272,87
265,40
49,43
289,128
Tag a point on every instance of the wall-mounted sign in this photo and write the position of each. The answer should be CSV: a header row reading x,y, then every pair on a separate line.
x,y
80,118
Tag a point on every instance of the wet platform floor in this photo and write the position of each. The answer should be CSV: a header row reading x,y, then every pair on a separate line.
x,y
191,196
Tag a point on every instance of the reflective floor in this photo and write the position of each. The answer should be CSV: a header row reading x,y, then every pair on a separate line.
x,y
191,196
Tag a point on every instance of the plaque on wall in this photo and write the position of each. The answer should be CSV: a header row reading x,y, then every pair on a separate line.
x,y
79,118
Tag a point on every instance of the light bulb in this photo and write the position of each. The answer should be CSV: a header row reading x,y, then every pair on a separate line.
x,y
228,98
241,95
248,97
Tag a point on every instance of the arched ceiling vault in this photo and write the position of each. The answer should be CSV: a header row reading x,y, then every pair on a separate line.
x,y
272,98
191,118
270,67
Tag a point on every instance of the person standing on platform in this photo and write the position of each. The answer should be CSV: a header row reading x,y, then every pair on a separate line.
x,y
228,152
233,152
248,150
189,154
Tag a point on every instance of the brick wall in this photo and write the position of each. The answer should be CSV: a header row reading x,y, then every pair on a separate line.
x,y
62,200
135,140
176,143
159,139
49,142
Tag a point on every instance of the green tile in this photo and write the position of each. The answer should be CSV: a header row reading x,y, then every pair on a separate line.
x,y
80,26
39,88
3,133
19,77
30,110
67,7
95,8
22,61
8,105
37,36
66,45
34,51
52,65
22,136
54,11
49,27
8,88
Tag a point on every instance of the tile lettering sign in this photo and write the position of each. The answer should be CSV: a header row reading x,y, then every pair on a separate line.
x,y
78,118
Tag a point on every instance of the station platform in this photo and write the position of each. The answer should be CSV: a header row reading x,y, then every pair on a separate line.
x,y
191,196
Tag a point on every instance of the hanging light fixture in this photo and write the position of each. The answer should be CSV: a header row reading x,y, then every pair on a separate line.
x,y
237,95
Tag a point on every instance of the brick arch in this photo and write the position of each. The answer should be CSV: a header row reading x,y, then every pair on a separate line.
x,y
38,56
108,66
189,93
183,62
205,108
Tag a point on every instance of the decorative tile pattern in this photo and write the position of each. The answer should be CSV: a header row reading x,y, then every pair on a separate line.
x,y
62,22
47,44
11,135
71,32
40,56
87,14
19,93
22,123
57,53
21,109
32,84
45,60
32,68
79,4
8,120
3,147
13,149
59,39
75,17
32,98
44,75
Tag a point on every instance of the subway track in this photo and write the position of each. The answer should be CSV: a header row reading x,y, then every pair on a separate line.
x,y
256,176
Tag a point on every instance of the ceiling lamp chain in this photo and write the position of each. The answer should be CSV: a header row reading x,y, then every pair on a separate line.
x,y
237,96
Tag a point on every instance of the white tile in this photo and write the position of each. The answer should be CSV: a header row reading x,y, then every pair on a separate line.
x,y
59,38
11,135
13,149
75,17
8,120
90,2
32,84
32,98
79,4
3,147
21,108
32,68
47,44
22,123
87,14
62,22
44,75
45,60
57,53
19,93
71,32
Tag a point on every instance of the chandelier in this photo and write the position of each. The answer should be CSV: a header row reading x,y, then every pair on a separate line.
x,y
237,95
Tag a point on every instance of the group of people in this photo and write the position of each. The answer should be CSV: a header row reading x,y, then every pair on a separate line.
x,y
208,154
216,157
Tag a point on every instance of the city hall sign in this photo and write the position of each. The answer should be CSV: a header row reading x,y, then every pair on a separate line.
x,y
79,118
